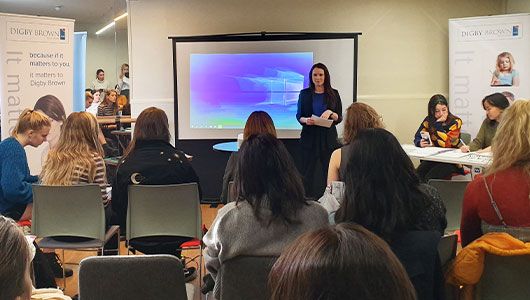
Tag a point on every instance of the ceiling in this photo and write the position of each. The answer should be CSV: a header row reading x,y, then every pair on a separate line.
x,y
90,15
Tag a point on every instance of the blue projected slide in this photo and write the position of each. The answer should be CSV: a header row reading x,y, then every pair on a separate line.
x,y
226,88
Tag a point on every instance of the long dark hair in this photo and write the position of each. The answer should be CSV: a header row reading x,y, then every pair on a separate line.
x,y
381,188
329,93
266,177
151,124
344,261
431,110
52,107
497,100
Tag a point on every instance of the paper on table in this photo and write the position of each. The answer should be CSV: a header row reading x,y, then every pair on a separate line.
x,y
321,121
452,154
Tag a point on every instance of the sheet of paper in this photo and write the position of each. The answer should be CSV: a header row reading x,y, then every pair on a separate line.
x,y
456,153
412,150
321,121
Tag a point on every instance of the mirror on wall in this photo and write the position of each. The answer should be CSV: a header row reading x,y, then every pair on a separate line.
x,y
107,50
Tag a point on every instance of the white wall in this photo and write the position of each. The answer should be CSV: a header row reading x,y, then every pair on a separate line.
x,y
403,54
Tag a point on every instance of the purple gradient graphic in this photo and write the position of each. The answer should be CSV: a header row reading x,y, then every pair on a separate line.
x,y
226,88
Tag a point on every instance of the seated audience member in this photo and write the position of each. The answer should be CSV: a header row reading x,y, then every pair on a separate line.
x,y
344,261
443,129
93,108
358,116
384,195
258,122
494,105
150,159
109,106
270,210
89,99
78,157
499,200
16,254
16,196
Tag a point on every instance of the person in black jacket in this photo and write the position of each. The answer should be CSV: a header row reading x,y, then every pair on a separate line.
x,y
317,143
150,159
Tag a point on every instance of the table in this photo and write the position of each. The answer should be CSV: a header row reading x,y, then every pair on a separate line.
x,y
107,120
477,161
226,147
123,136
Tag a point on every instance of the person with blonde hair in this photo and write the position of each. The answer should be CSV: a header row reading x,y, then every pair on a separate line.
x,y
358,116
16,196
499,200
109,106
505,74
78,157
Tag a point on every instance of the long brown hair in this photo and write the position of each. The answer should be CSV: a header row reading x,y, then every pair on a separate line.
x,y
344,261
76,147
511,144
360,116
259,122
14,261
151,124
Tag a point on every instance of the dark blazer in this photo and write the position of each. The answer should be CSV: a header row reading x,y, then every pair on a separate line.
x,y
156,162
305,109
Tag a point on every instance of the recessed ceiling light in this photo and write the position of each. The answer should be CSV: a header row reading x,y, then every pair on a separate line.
x,y
58,7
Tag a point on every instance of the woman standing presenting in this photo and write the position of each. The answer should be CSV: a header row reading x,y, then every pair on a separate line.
x,y
317,143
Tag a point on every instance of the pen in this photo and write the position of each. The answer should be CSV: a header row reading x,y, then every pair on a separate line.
x,y
462,142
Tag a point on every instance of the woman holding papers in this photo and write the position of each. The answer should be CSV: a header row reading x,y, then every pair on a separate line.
x,y
494,105
318,101
499,200
439,129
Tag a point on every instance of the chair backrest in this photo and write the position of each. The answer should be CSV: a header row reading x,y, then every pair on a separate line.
x,y
75,210
172,210
466,137
452,193
447,248
244,277
131,277
231,192
504,277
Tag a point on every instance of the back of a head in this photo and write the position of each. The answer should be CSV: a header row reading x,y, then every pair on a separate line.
x,y
511,143
14,261
360,116
76,146
30,120
259,122
151,124
380,184
266,175
344,261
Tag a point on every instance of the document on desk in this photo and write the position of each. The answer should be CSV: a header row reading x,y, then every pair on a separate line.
x,y
456,153
321,121
414,151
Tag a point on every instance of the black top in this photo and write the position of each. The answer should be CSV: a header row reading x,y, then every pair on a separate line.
x,y
305,109
152,162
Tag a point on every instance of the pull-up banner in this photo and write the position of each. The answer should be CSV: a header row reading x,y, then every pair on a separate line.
x,y
487,55
36,68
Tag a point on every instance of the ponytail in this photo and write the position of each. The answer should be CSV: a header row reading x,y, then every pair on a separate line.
x,y
30,119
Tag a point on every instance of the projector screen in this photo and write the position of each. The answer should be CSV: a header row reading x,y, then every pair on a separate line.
x,y
219,84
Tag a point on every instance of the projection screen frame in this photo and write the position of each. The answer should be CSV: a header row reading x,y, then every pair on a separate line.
x,y
260,36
